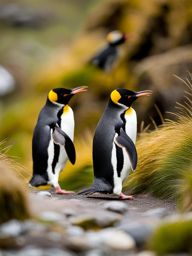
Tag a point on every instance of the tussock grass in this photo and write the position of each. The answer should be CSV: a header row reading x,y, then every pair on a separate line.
x,y
13,193
165,162
173,237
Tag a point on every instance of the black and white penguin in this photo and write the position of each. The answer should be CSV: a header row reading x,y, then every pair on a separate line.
x,y
114,152
52,143
106,58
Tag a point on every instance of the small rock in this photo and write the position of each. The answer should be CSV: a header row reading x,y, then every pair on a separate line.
x,y
7,82
38,252
95,252
139,231
44,194
117,240
52,216
116,206
69,212
156,212
146,253
75,231
12,228
95,221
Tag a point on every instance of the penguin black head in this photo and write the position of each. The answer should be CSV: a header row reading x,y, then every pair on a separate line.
x,y
124,97
116,38
62,95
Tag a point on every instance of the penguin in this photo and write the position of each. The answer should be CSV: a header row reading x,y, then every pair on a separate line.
x,y
114,151
106,58
52,143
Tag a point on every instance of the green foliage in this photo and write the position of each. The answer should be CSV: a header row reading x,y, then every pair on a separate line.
x,y
82,178
174,237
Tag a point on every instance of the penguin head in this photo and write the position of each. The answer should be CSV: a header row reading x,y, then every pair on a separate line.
x,y
116,38
125,98
62,95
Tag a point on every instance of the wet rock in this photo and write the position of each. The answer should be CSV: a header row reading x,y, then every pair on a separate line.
x,y
95,221
116,206
7,82
156,213
52,216
139,231
44,194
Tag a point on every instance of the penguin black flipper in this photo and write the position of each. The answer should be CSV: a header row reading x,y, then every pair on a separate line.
x,y
124,141
61,138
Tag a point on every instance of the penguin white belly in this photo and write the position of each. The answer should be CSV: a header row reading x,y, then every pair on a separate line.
x,y
131,131
67,125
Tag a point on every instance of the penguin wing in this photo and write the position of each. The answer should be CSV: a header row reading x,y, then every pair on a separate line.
x,y
61,138
124,141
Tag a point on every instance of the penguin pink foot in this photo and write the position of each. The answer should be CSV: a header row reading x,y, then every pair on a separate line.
x,y
60,191
125,197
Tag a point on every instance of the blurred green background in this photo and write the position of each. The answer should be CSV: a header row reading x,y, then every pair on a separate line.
x,y
47,44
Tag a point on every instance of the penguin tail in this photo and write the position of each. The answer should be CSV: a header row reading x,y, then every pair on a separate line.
x,y
37,180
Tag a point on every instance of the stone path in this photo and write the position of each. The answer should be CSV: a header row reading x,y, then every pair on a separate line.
x,y
75,225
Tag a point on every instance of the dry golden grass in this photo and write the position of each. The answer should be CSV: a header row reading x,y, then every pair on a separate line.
x,y
165,163
13,192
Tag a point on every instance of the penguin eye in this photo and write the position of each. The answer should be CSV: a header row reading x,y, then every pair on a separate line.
x,y
129,97
65,94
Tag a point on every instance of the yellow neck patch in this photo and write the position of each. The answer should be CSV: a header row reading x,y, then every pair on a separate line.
x,y
52,96
129,111
115,96
66,109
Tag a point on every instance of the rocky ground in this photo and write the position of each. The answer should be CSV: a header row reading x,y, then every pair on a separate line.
x,y
74,225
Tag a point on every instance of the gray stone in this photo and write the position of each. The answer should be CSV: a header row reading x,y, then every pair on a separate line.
x,y
146,253
38,252
139,231
95,220
44,194
75,231
12,228
116,206
117,240
52,216
156,212
7,82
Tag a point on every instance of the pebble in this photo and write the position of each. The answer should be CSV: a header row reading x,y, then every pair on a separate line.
x,y
156,212
7,82
75,231
139,231
38,252
12,228
44,194
116,206
146,253
117,240
51,216
95,221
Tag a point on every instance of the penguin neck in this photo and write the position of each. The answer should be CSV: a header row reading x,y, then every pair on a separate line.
x,y
53,104
117,107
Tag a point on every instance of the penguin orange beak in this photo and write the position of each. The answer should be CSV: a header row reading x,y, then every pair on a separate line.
x,y
144,93
79,89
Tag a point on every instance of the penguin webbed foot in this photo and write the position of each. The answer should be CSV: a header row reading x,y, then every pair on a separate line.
x,y
60,191
122,196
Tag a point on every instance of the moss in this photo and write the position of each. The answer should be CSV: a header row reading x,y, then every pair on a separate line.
x,y
13,195
173,237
